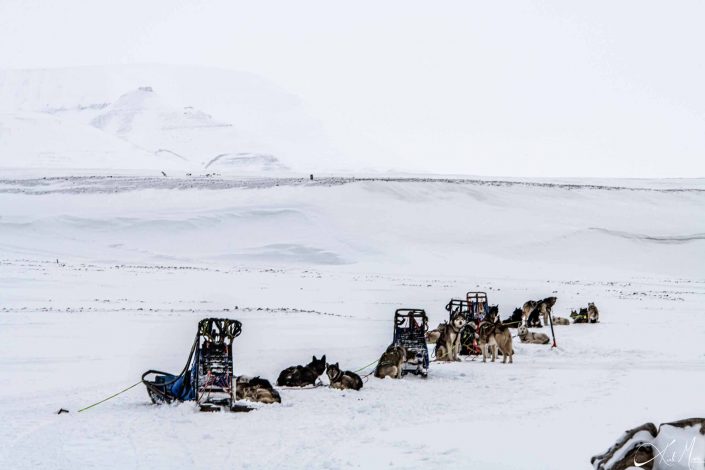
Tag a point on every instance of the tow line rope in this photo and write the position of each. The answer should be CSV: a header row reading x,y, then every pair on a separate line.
x,y
110,397
136,384
365,367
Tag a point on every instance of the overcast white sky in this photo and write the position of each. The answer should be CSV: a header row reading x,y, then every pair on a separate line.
x,y
556,88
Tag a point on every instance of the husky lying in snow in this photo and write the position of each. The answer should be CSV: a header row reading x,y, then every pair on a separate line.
x,y
301,376
343,380
448,342
676,445
560,321
391,362
579,317
493,336
530,337
256,389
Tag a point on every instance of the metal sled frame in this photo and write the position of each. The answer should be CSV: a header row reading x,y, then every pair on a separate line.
x,y
477,305
458,306
467,336
410,326
207,376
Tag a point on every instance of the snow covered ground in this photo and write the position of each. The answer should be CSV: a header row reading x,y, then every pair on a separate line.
x,y
102,278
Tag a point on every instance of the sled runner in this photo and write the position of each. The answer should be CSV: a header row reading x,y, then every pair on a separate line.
x,y
207,376
410,326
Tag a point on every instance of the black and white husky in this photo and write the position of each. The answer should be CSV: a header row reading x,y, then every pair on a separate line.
x,y
301,376
533,308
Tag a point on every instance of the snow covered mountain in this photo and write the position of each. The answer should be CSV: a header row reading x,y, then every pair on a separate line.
x,y
39,140
156,117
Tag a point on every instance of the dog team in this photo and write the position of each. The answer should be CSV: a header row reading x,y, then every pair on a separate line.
x,y
487,335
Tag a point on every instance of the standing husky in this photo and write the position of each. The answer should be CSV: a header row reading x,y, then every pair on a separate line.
x,y
547,307
493,336
530,337
532,309
391,362
528,307
448,343
487,342
343,380
301,376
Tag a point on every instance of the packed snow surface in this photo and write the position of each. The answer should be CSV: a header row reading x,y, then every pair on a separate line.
x,y
102,278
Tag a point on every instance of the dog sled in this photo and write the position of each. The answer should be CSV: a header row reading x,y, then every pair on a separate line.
x,y
478,305
410,326
207,377
458,306
468,344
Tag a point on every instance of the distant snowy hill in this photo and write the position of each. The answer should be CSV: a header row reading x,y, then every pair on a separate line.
x,y
135,117
39,140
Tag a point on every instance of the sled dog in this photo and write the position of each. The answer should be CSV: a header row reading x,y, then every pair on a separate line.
x,y
492,314
530,337
528,307
391,362
448,343
532,309
433,335
579,317
495,336
343,380
561,321
515,320
593,313
301,376
256,389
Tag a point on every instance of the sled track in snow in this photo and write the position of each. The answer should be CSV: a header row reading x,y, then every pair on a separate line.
x,y
119,184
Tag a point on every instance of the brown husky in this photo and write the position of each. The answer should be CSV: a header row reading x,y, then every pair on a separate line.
x,y
391,362
493,336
